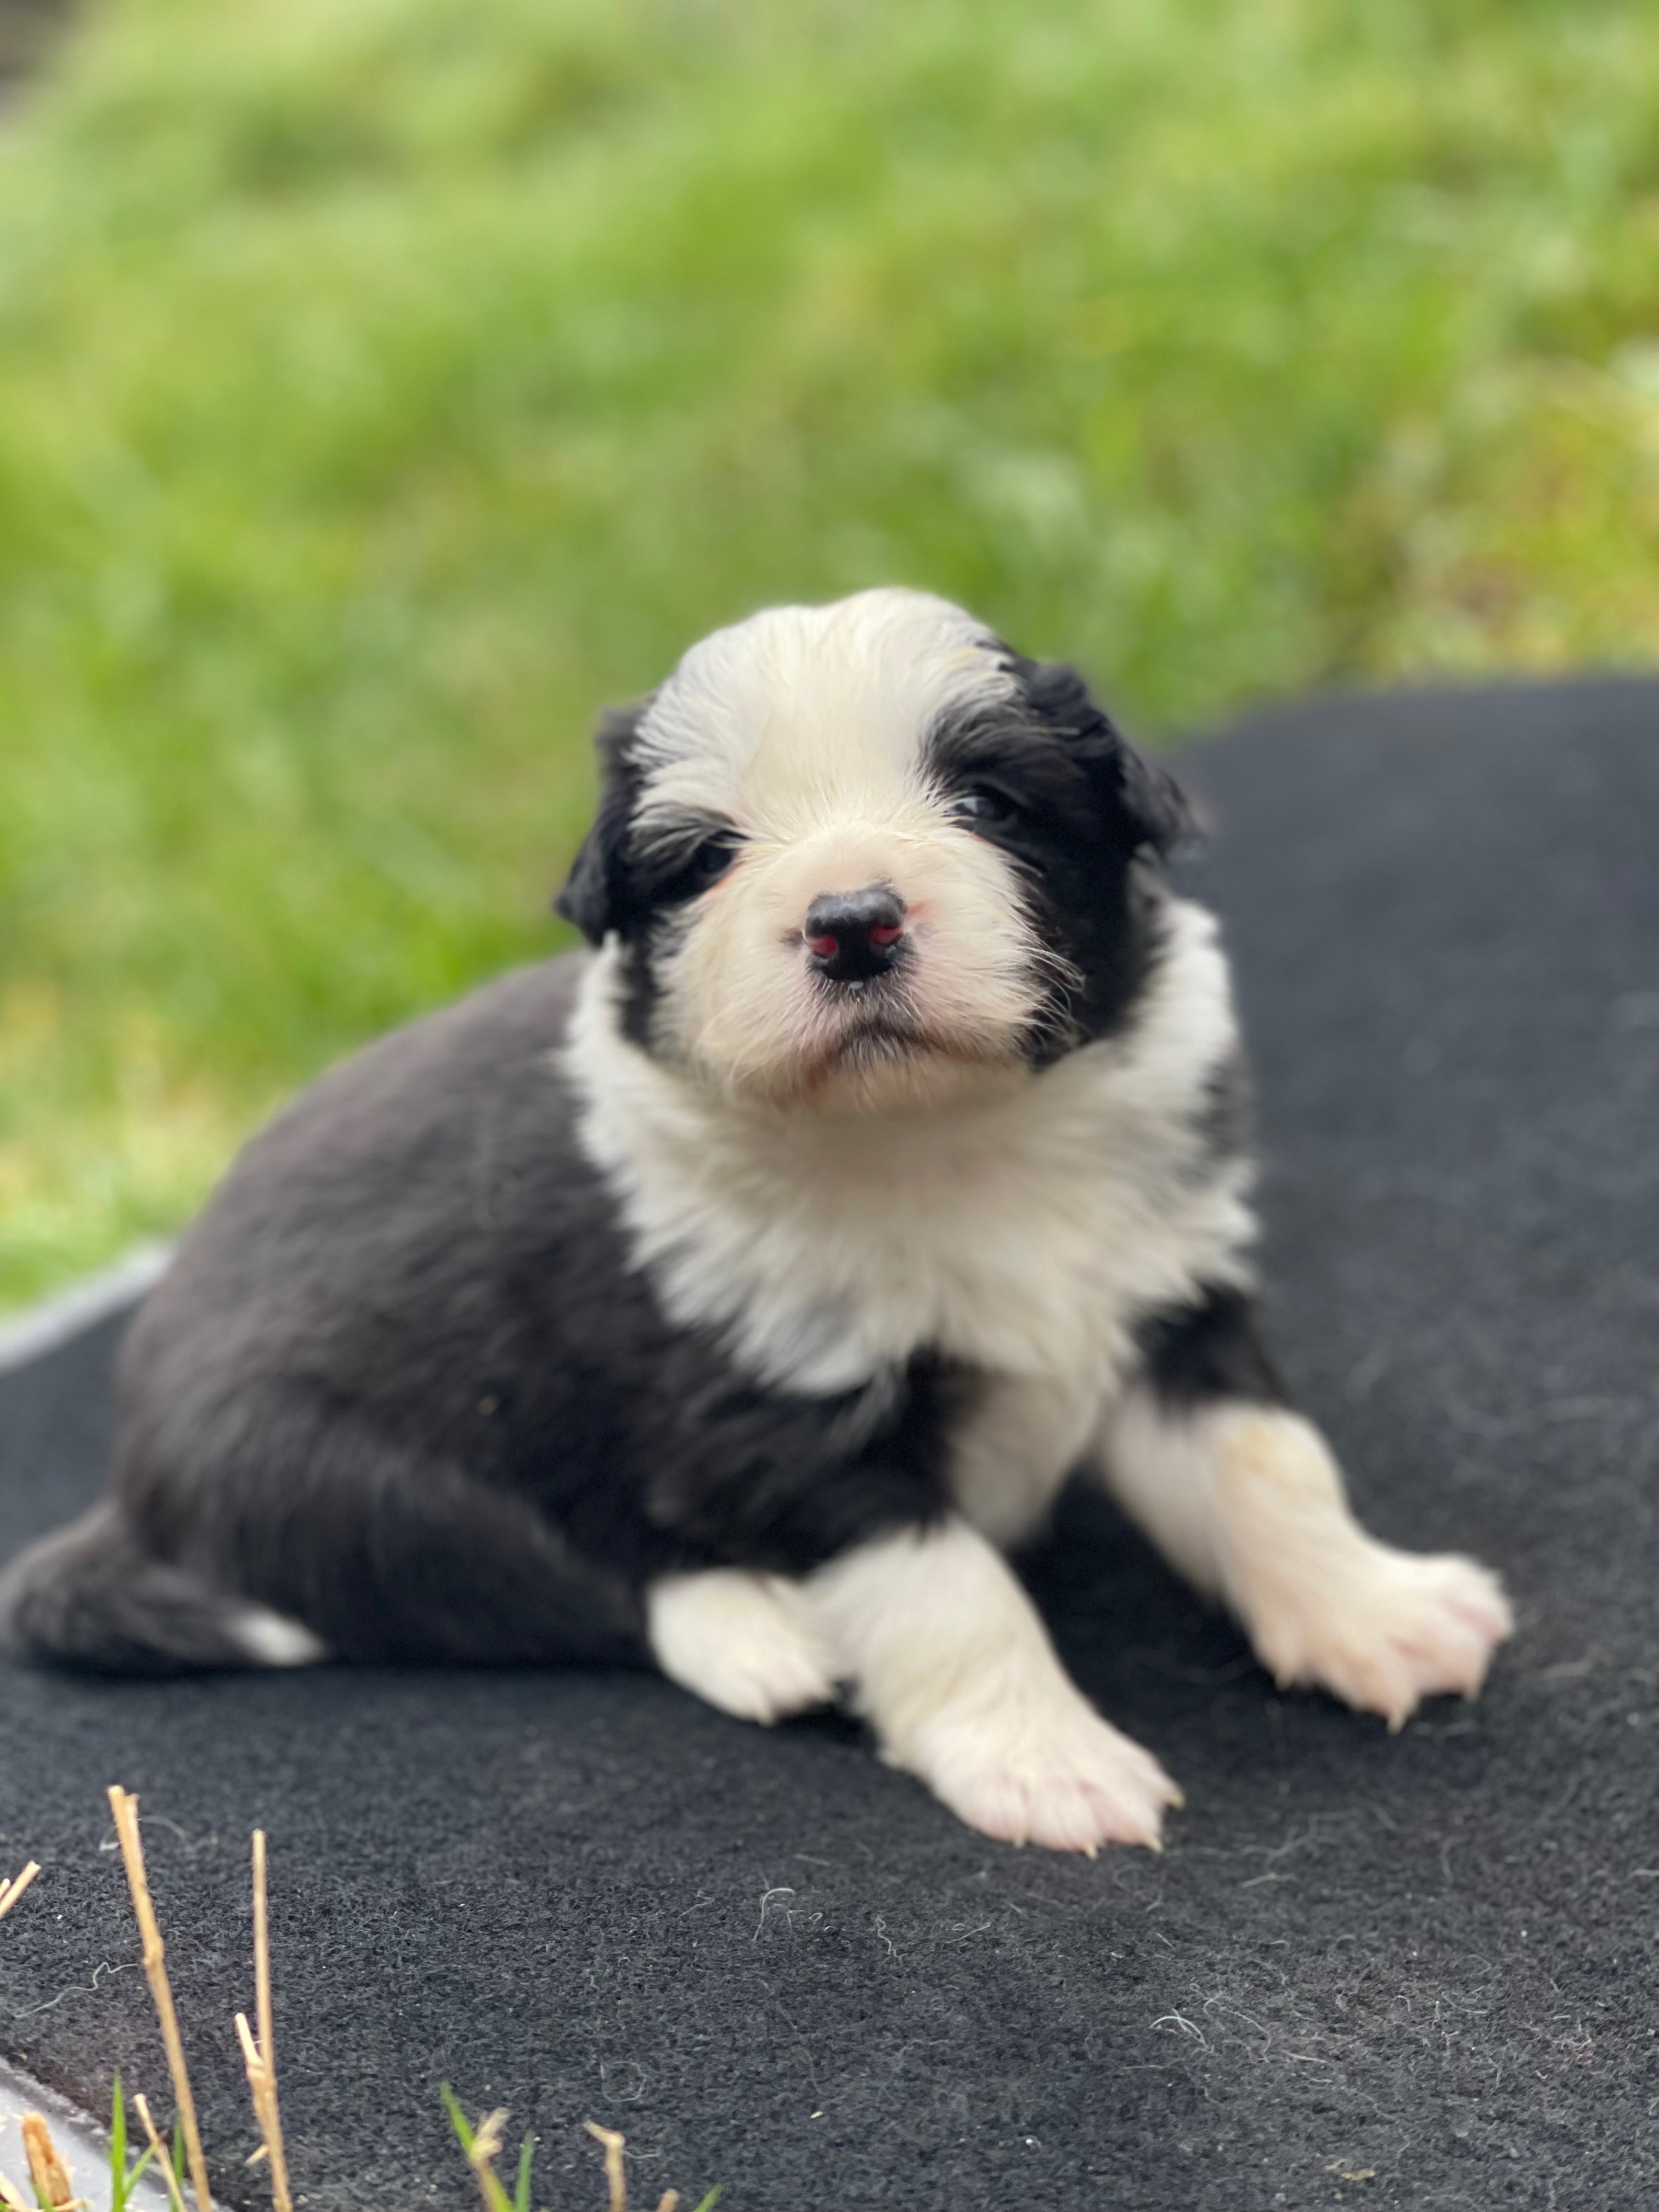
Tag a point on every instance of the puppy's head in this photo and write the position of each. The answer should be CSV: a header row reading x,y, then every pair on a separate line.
x,y
861,855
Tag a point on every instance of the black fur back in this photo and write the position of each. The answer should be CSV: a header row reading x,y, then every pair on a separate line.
x,y
402,1385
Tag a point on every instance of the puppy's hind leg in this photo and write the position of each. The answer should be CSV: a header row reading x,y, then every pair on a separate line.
x,y
309,1530
744,1642
1243,1497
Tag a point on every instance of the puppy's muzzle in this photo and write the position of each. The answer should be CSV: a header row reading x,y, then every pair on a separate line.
x,y
852,936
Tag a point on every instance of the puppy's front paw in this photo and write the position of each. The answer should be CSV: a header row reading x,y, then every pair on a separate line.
x,y
1386,1630
1054,1774
740,1641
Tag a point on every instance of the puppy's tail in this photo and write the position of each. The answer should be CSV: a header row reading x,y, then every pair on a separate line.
x,y
91,1597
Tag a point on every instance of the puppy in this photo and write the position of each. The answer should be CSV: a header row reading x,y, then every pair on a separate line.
x,y
735,1296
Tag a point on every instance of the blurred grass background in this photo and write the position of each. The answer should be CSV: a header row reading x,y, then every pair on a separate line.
x,y
385,384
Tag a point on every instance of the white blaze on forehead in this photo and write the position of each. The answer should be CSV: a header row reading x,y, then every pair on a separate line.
x,y
801,712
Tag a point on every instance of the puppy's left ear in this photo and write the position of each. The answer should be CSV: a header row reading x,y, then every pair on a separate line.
x,y
592,894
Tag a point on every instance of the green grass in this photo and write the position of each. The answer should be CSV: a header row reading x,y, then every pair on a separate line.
x,y
480,2147
383,387
125,2176
49,2176
125,2179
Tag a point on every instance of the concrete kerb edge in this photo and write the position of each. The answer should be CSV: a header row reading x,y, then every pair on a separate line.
x,y
41,1328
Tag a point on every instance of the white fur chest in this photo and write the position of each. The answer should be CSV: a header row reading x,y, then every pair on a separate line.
x,y
1022,1231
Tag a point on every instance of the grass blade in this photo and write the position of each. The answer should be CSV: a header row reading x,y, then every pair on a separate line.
x,y
483,2147
118,2148
457,2118
522,2193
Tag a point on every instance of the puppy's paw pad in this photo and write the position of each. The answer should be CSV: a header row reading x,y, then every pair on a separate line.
x,y
1064,1780
1391,1631
740,1642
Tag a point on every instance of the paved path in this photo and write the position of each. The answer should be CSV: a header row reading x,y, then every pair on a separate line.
x,y
776,1965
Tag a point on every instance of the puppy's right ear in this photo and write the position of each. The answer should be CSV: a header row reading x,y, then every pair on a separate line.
x,y
593,897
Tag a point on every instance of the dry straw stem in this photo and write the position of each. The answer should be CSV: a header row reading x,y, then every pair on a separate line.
x,y
47,2170
124,1806
12,1890
12,2196
615,2172
482,2154
259,2057
141,2105
262,2082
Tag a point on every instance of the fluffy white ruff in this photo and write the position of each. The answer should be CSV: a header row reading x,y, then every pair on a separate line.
x,y
1247,1503
741,1641
949,1663
1021,1228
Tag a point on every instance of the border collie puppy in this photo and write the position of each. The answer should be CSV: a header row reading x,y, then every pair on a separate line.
x,y
733,1296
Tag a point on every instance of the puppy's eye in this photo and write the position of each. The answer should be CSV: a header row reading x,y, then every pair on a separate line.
x,y
709,861
980,803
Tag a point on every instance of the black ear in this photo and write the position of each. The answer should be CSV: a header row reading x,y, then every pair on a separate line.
x,y
1154,807
593,894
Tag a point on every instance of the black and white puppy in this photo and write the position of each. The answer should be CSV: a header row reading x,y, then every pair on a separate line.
x,y
733,1296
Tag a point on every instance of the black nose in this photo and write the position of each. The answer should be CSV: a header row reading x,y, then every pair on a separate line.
x,y
852,935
